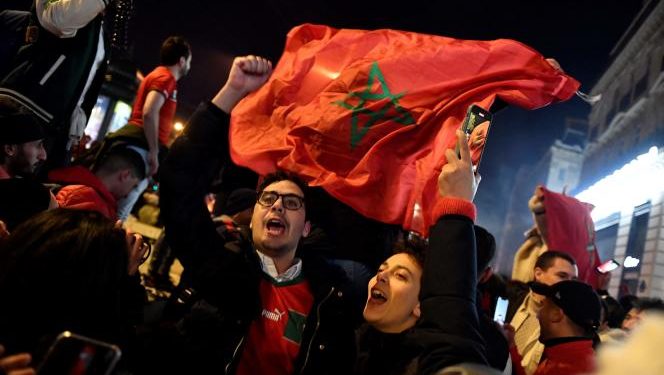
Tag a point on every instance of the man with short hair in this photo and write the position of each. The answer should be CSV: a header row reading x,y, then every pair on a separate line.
x,y
551,267
22,141
568,319
264,309
99,190
151,123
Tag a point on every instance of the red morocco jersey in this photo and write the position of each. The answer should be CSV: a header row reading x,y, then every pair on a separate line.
x,y
273,340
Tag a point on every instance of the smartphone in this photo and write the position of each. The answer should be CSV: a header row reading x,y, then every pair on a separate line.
x,y
608,266
501,310
72,354
476,125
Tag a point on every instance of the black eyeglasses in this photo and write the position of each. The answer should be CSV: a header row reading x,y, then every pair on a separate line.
x,y
147,250
290,201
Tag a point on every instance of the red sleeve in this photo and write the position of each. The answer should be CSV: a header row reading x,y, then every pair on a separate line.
x,y
516,361
454,206
165,84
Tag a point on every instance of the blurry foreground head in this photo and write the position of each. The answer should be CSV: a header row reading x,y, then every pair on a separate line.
x,y
61,270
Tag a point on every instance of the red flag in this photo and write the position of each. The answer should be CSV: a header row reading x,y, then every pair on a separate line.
x,y
570,229
367,115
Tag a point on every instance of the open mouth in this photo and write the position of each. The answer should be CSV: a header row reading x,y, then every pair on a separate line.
x,y
377,296
275,227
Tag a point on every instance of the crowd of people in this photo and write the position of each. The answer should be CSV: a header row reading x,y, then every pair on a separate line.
x,y
267,286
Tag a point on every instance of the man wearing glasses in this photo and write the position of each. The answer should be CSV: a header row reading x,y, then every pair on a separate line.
x,y
260,309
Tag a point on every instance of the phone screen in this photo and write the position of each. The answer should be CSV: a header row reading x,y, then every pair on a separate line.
x,y
476,125
501,310
608,266
72,354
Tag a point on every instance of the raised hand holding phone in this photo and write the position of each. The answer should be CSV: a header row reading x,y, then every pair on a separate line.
x,y
476,125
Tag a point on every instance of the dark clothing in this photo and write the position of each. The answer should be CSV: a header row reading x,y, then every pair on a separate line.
x,y
497,347
49,76
226,276
448,331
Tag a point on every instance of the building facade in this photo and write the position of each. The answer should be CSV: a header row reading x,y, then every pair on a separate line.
x,y
623,162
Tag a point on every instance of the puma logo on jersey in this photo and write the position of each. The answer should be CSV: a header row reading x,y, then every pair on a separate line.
x,y
273,315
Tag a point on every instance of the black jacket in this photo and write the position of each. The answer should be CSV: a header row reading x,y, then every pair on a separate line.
x,y
448,330
226,275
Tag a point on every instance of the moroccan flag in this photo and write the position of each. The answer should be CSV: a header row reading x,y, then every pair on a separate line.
x,y
368,115
569,228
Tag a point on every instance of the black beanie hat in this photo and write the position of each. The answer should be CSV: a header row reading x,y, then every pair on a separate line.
x,y
19,128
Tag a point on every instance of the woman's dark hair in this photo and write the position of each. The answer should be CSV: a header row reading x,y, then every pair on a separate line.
x,y
61,270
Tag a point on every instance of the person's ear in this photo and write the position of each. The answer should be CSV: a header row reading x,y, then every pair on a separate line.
x,y
124,175
11,150
306,229
538,273
417,312
182,62
557,315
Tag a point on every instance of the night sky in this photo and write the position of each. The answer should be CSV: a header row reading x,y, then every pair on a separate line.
x,y
579,34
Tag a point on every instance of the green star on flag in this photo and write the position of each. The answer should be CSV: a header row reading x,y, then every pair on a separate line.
x,y
358,132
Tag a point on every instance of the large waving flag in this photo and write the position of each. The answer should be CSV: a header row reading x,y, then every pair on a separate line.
x,y
367,115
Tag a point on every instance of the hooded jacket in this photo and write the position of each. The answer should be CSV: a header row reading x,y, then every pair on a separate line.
x,y
84,191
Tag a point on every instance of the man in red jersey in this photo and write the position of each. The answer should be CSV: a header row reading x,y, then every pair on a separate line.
x,y
151,122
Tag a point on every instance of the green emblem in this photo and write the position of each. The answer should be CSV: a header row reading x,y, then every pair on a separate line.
x,y
295,326
358,132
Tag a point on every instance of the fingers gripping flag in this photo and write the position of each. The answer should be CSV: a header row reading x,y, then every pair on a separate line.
x,y
367,115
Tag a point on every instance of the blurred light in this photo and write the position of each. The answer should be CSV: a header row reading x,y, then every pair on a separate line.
x,y
631,262
178,126
635,183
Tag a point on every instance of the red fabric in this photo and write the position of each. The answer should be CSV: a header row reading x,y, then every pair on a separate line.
x,y
273,341
162,80
84,192
302,120
570,228
454,206
572,358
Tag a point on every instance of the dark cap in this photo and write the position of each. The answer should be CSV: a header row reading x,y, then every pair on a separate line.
x,y
19,128
577,299
240,200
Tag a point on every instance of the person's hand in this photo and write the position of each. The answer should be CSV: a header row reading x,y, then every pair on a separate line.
x,y
153,162
508,331
456,178
603,280
555,64
17,364
536,202
247,74
138,252
4,233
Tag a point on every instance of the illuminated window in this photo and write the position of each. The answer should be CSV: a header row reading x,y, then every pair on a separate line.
x,y
637,182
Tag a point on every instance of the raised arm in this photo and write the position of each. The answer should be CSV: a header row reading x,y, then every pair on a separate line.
x,y
449,326
194,161
64,17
